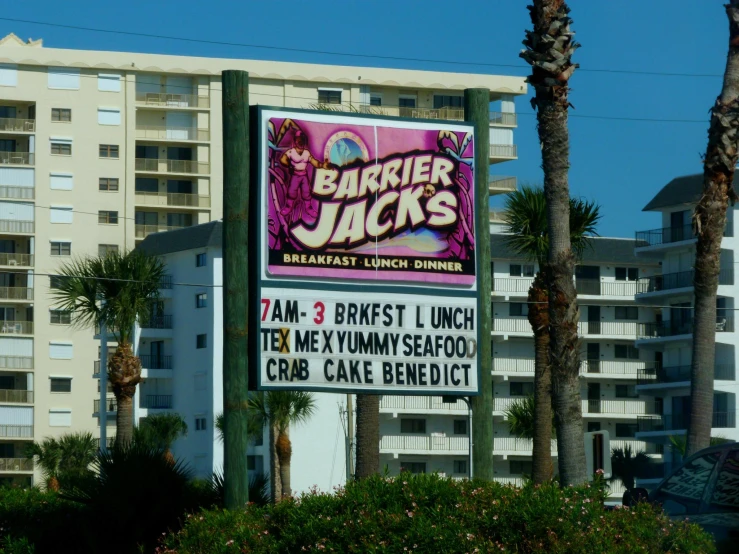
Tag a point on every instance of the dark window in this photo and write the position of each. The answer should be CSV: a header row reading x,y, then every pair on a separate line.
x,y
109,184
447,101
201,300
625,352
407,102
105,249
520,467
147,152
61,248
518,309
251,463
200,424
108,217
413,467
55,281
626,430
460,426
179,220
626,391
460,466
181,153
61,148
725,497
413,426
522,388
627,312
201,260
593,426
61,114
201,341
108,151
515,270
146,218
375,100
682,493
147,184
175,186
329,96
627,273
60,317
60,384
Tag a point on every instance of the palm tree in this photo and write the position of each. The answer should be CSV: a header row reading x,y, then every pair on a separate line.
x,y
709,221
368,436
521,421
628,465
160,431
528,235
549,49
47,455
66,460
679,443
116,290
279,410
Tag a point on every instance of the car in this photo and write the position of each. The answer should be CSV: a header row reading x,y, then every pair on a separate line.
x,y
703,490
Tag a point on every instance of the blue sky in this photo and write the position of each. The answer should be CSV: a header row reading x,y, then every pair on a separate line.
x,y
619,164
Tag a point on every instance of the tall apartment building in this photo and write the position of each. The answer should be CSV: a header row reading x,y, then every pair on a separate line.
x,y
99,150
669,295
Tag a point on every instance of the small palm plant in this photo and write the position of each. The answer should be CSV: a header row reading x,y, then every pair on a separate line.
x,y
47,455
66,460
159,431
628,465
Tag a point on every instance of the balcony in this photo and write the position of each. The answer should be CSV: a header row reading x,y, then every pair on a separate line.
x,y
666,235
516,285
14,396
163,165
424,444
172,199
109,442
506,151
501,185
678,422
16,260
516,446
618,407
17,125
8,192
158,322
16,464
157,402
419,404
17,158
16,362
16,431
166,132
508,119
596,287
168,100
16,327
664,329
143,231
681,374
16,293
156,362
608,368
503,403
679,280
15,226
111,403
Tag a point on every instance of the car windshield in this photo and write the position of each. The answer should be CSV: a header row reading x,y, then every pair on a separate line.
x,y
726,492
682,493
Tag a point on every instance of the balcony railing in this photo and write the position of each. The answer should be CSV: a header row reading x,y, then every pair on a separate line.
x,y
664,329
166,99
15,226
17,125
163,165
503,118
158,322
513,365
513,284
16,293
111,403
16,431
513,444
503,151
501,404
16,327
449,114
512,481
17,158
681,374
156,362
157,401
9,192
16,464
613,367
12,396
625,407
172,199
596,287
143,231
679,280
16,362
420,403
165,282
618,328
665,235
677,422
171,133
109,442
424,443
507,184
24,260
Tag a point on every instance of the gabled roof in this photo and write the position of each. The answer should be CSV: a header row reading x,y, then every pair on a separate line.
x,y
680,191
190,238
11,39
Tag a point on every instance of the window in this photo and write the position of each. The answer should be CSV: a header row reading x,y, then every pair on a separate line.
x,y
329,96
407,102
413,467
460,466
105,249
108,217
179,220
682,493
200,260
627,273
64,78
375,99
61,181
626,352
60,418
518,309
447,101
518,270
251,463
61,248
413,425
522,388
201,300
60,317
593,426
109,82
200,424
724,497
109,116
61,147
61,384
201,341
55,281
147,184
61,350
108,151
460,426
109,184
627,312
8,75
61,214
61,114
518,467
627,430
626,391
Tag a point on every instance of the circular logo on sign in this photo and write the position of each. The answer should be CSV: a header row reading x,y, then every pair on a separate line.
x,y
344,148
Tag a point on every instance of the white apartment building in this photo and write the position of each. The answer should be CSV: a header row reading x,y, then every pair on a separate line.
x,y
99,150
669,295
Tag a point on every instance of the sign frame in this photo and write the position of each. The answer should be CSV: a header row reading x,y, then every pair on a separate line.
x,y
256,269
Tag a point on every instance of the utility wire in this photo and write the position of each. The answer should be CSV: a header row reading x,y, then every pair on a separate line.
x,y
346,54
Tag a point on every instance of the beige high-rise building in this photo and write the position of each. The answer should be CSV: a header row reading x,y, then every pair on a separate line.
x,y
100,149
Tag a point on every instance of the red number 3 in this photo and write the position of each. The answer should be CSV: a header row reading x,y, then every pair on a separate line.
x,y
320,309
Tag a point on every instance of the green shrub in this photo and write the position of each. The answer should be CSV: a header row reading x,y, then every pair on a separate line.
x,y
429,514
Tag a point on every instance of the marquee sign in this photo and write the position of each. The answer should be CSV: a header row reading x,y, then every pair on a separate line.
x,y
366,274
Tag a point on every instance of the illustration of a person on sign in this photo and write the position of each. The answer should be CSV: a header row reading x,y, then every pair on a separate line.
x,y
296,159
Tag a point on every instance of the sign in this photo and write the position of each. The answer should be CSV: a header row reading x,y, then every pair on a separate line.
x,y
366,274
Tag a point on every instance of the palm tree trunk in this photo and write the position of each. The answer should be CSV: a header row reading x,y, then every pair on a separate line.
x,y
709,222
549,50
368,435
284,454
275,483
124,373
124,418
539,319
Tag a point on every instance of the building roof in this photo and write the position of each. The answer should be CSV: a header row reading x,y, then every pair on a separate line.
x,y
190,238
680,191
603,250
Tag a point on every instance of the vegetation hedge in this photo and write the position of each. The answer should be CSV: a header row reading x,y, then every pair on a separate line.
x,y
427,513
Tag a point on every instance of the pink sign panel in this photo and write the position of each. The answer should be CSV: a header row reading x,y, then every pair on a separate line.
x,y
369,199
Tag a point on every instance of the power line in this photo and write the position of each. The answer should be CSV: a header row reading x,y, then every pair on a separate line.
x,y
346,54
